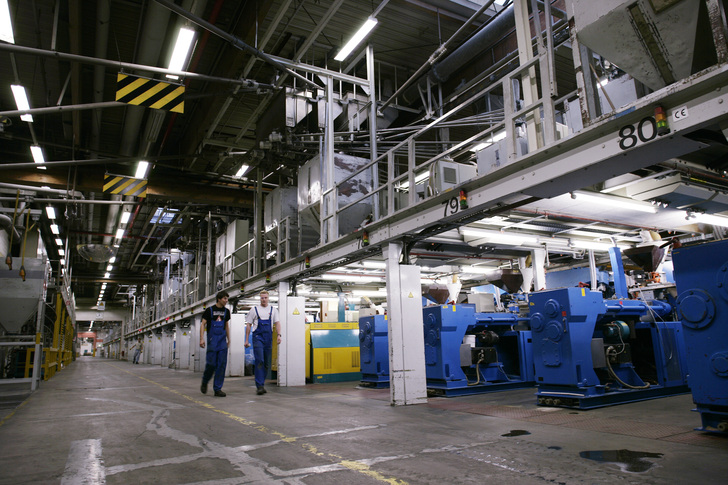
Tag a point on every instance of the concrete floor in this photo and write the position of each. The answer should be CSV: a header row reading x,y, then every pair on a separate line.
x,y
104,421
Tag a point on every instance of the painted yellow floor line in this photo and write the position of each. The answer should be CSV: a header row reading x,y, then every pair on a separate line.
x,y
2,421
351,465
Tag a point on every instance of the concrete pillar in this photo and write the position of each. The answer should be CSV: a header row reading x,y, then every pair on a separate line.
x,y
292,350
408,381
236,350
182,351
538,258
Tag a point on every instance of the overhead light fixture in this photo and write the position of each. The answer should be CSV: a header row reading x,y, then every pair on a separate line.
x,y
37,153
110,267
125,216
21,101
119,233
350,278
418,178
112,260
477,269
597,246
59,242
613,202
181,52
6,25
499,237
141,171
50,212
357,39
494,138
63,261
107,275
61,252
709,219
375,264
243,170
54,229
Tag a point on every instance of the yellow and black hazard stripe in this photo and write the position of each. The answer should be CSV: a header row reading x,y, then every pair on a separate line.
x,y
119,184
152,93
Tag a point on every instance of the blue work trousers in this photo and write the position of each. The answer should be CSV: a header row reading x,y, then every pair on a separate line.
x,y
262,354
216,364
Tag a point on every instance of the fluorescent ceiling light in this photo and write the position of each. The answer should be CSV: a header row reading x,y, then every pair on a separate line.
x,y
418,178
63,261
51,212
125,217
110,267
614,202
375,264
107,275
37,153
477,269
59,242
377,293
496,237
119,233
243,170
54,229
497,137
6,26
357,39
61,252
112,261
350,278
710,219
181,51
141,171
598,246
21,101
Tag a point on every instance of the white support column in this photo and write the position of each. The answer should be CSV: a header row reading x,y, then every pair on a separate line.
x,y
538,258
408,382
182,352
292,350
236,349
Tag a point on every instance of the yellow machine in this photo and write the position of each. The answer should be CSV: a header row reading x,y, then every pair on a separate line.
x,y
332,352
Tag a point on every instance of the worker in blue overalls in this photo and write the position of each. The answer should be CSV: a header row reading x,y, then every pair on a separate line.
x,y
217,319
260,321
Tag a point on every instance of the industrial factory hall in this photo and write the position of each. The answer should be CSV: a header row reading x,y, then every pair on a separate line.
x,y
363,241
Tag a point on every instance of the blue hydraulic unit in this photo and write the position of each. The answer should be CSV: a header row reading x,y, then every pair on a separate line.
x,y
590,352
374,351
701,275
467,352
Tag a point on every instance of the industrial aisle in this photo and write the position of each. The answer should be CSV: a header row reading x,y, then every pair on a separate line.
x,y
104,421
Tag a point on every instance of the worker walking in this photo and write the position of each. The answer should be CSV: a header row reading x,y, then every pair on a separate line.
x,y
260,321
217,319
138,347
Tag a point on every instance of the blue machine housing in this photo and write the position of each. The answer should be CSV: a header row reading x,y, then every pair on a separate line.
x,y
498,357
701,275
590,352
374,351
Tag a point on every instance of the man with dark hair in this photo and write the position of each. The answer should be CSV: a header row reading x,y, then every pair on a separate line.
x,y
260,321
218,338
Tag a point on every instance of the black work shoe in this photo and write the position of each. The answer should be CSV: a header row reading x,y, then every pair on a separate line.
x,y
220,394
203,387
264,391
260,391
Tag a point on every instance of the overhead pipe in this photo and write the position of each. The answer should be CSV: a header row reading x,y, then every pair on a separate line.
x,y
6,222
497,28
233,40
439,52
73,193
19,49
